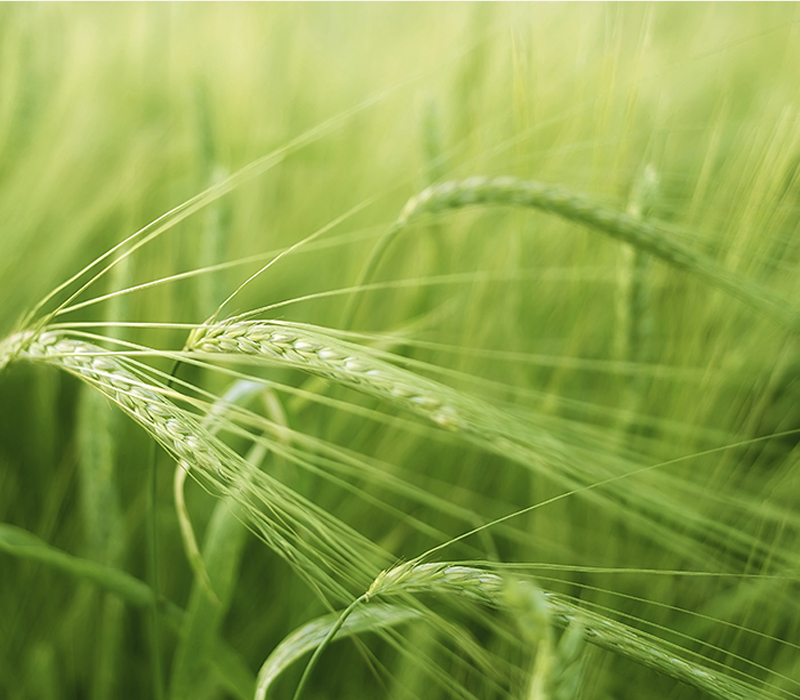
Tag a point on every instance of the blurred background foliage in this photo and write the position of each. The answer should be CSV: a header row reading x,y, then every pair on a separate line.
x,y
111,115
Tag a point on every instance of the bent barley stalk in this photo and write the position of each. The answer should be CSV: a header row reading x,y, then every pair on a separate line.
x,y
488,588
277,513
649,236
317,351
213,421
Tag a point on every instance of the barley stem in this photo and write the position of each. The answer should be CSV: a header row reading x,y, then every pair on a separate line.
x,y
325,642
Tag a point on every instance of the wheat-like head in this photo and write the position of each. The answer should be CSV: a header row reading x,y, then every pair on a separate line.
x,y
480,585
647,236
289,524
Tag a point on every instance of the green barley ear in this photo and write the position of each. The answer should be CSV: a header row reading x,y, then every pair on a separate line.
x,y
539,610
407,579
649,237
317,351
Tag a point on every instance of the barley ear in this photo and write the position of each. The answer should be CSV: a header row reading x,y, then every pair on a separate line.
x,y
545,609
650,237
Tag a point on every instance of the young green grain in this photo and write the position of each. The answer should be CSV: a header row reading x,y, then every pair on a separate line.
x,y
488,588
317,351
647,236
275,511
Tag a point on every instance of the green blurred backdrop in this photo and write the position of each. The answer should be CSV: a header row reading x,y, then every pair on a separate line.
x,y
112,114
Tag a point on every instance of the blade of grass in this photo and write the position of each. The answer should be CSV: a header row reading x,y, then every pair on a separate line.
x,y
312,635
20,543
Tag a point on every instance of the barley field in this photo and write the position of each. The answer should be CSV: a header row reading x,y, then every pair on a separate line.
x,y
407,351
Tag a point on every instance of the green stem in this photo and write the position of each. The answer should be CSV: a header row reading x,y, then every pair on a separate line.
x,y
152,540
158,672
325,642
